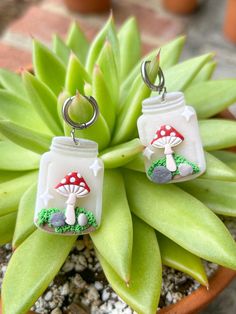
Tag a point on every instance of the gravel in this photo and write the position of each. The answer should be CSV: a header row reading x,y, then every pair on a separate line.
x,y
81,287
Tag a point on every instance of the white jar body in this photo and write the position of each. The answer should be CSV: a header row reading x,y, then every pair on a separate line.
x,y
81,161
171,113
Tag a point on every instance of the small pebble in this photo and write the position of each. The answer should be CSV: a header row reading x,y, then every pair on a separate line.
x,y
65,289
105,295
98,285
161,175
56,311
48,296
185,170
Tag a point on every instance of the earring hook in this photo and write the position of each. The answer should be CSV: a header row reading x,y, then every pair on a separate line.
x,y
75,125
157,88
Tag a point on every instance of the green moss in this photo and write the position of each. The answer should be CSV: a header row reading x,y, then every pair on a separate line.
x,y
179,159
44,217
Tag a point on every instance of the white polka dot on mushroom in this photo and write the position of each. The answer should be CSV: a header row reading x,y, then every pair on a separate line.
x,y
72,180
163,132
82,184
70,173
172,134
168,127
63,181
79,175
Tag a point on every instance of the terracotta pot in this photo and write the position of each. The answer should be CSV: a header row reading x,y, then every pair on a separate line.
x,y
88,6
201,297
181,6
230,21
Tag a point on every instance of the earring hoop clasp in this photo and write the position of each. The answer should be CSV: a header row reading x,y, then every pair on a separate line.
x,y
75,125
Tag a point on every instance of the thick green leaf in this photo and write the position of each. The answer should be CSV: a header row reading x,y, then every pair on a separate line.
x,y
228,158
218,195
81,112
115,227
6,175
131,110
11,192
145,286
48,67
182,218
205,73
31,269
107,64
170,54
175,256
61,49
19,111
218,133
76,76
44,102
77,42
108,32
29,139
16,158
25,216
12,82
179,76
120,155
7,225
101,93
130,46
216,169
211,97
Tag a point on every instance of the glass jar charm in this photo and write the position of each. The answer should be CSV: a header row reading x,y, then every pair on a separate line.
x,y
69,195
168,129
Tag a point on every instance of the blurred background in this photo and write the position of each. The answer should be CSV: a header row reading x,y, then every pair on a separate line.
x,y
210,25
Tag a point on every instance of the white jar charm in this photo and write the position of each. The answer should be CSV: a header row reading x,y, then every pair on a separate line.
x,y
69,195
169,131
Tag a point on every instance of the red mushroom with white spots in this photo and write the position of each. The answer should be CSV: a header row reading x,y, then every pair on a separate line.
x,y
168,137
72,186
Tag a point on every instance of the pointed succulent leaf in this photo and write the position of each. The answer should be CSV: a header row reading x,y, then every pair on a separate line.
x,y
16,158
11,192
106,62
145,285
229,158
76,76
131,110
116,226
130,46
27,138
170,54
217,133
48,67
6,175
12,82
81,111
205,73
25,216
107,32
217,170
7,225
136,164
101,93
120,155
30,276
77,42
175,256
211,97
63,96
217,195
61,49
179,76
197,230
20,111
44,102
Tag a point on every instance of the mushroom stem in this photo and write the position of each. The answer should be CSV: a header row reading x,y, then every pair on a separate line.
x,y
170,162
70,209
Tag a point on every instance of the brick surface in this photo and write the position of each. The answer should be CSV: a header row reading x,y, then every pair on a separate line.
x,y
13,58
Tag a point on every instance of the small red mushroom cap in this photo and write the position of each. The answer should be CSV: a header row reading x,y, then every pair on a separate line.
x,y
73,182
167,135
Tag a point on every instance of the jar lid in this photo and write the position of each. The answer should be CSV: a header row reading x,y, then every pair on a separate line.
x,y
174,99
67,143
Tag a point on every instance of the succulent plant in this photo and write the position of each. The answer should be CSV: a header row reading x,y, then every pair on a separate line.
x,y
144,225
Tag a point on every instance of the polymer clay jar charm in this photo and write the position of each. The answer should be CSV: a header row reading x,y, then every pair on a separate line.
x,y
168,129
69,196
